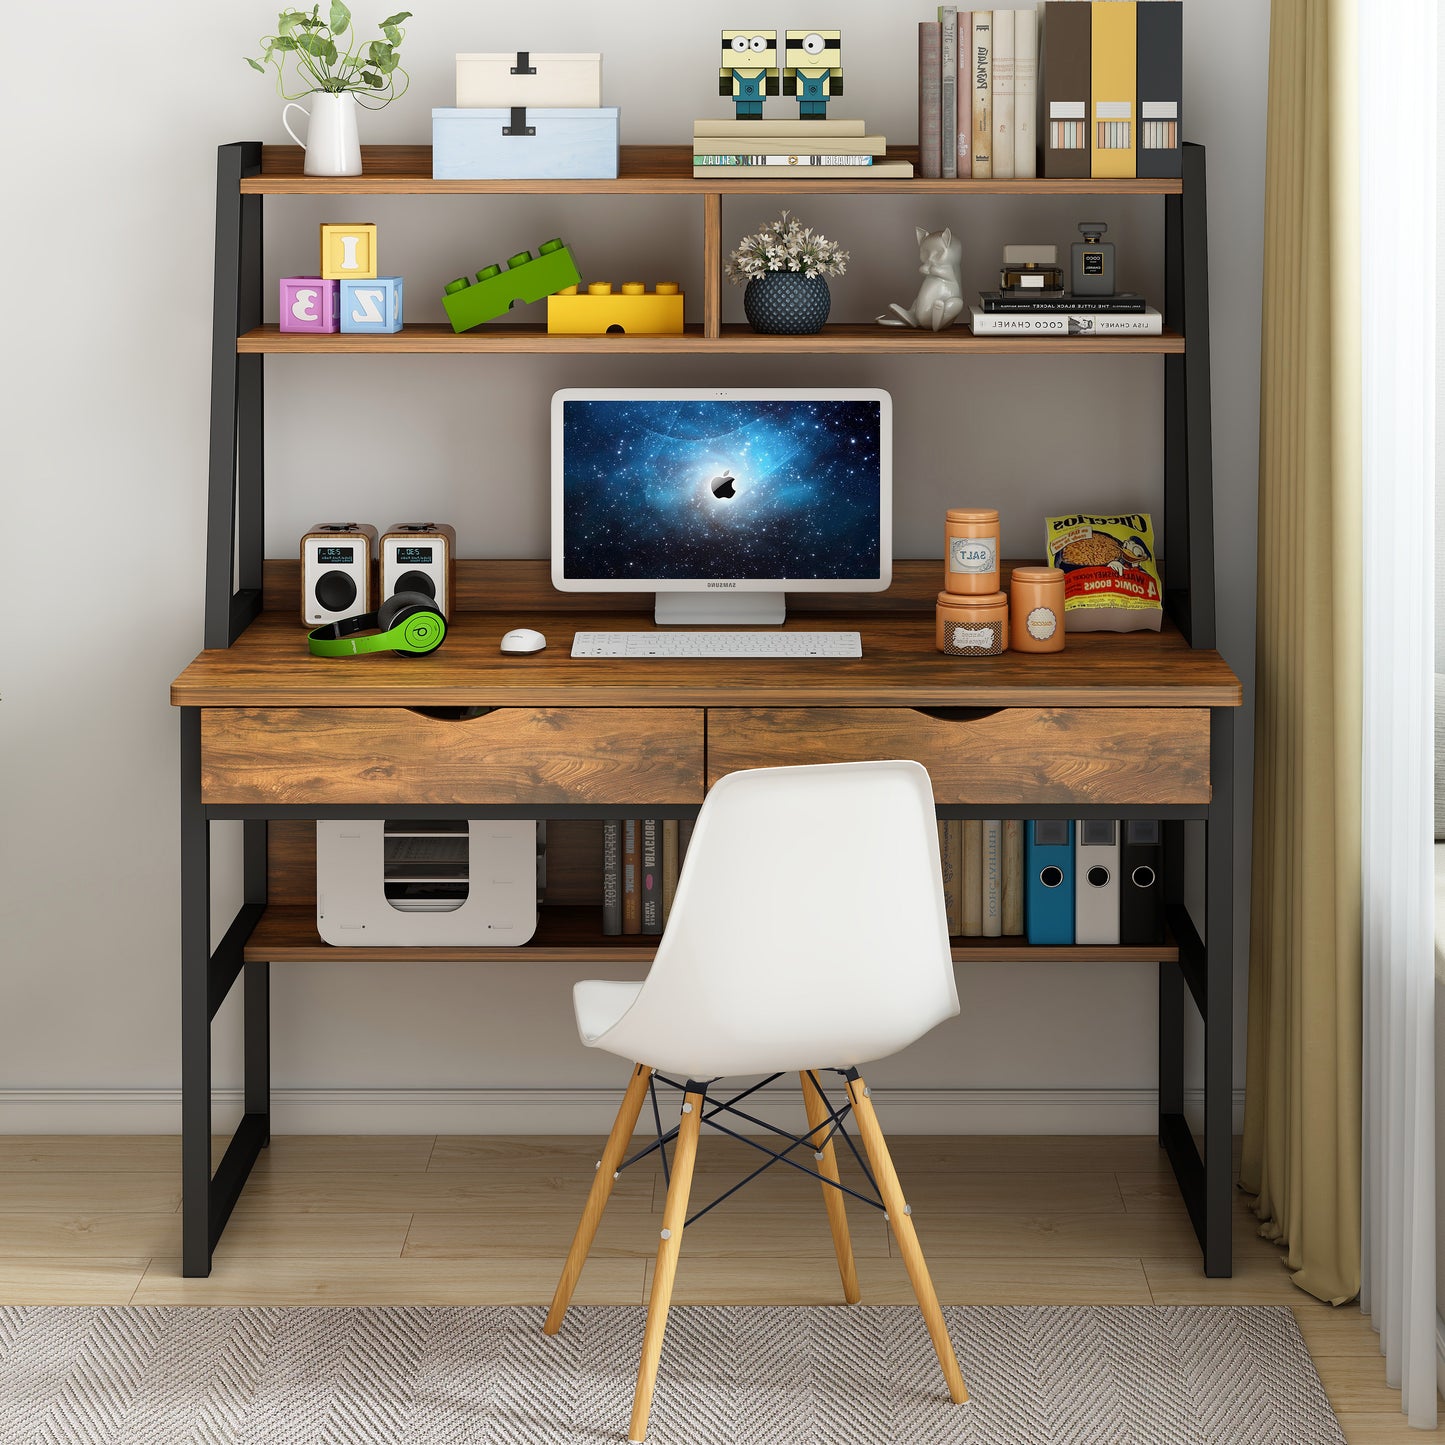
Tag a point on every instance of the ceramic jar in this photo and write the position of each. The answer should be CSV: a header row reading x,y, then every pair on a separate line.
x,y
971,560
1036,605
975,626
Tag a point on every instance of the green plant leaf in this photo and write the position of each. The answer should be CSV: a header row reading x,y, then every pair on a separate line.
x,y
282,42
396,19
392,34
372,79
313,45
255,65
382,56
340,17
288,20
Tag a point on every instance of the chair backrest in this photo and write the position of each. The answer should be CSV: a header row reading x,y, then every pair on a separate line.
x,y
808,928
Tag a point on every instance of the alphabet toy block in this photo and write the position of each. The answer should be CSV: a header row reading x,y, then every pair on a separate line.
x,y
348,250
308,303
527,278
371,305
634,311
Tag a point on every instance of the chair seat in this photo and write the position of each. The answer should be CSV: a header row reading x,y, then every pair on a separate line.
x,y
599,1003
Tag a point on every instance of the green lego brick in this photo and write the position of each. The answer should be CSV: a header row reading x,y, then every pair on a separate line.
x,y
526,278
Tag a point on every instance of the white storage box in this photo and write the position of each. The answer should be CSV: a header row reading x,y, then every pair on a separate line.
x,y
557,82
453,882
524,144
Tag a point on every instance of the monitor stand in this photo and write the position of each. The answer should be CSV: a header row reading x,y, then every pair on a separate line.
x,y
720,609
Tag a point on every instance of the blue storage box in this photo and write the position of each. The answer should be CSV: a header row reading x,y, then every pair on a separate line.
x,y
524,145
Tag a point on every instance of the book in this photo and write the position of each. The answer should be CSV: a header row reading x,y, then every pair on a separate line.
x,y
1003,95
1013,875
782,159
670,861
972,877
930,99
812,129
950,853
1160,87
611,877
1067,323
1113,70
1125,302
631,895
948,90
981,77
1026,94
992,878
765,143
879,170
963,135
650,874
1064,78
684,837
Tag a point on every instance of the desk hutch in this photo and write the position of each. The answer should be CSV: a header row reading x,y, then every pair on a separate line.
x,y
1133,725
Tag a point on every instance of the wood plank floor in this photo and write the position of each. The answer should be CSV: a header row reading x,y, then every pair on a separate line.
x,y
371,1220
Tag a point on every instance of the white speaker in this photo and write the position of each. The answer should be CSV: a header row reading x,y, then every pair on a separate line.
x,y
336,572
420,557
451,882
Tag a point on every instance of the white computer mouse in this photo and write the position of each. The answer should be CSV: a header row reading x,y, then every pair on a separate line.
x,y
523,639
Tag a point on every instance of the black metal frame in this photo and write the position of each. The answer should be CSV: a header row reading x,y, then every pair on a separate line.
x,y
234,551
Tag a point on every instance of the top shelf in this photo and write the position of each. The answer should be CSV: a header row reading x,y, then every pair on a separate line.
x,y
399,170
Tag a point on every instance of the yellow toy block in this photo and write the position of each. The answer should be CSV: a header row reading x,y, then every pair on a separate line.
x,y
634,311
348,251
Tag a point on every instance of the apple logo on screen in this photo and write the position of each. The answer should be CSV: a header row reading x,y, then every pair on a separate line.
x,y
723,487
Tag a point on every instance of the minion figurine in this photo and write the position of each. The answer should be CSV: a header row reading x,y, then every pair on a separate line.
x,y
813,70
749,70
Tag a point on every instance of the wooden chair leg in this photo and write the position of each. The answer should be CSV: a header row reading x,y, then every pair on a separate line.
x,y
674,1216
901,1220
602,1182
818,1124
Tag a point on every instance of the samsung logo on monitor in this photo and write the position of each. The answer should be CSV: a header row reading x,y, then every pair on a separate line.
x,y
722,584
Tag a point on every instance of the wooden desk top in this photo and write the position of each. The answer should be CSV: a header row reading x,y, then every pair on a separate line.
x,y
269,666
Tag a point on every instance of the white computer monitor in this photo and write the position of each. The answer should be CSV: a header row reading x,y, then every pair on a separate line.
x,y
720,501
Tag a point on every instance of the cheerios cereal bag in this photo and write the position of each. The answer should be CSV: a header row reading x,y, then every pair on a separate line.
x,y
1111,578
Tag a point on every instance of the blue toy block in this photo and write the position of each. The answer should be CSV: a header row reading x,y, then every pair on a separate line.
x,y
372,305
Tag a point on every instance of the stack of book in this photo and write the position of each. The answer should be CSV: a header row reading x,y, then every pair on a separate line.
x,y
983,876
805,149
1016,313
640,862
1073,89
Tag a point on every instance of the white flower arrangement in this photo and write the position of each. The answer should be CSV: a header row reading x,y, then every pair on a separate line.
x,y
785,245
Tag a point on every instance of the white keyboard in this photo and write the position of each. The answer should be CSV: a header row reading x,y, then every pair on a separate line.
x,y
717,644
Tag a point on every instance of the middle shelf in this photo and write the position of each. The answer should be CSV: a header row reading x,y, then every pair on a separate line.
x,y
844,338
573,934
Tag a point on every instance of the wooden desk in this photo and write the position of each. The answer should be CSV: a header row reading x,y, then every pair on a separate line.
x,y
1117,726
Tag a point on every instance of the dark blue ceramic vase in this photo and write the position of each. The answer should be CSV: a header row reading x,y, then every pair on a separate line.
x,y
787,303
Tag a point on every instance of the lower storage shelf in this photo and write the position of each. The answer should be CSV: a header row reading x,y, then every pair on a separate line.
x,y
572,934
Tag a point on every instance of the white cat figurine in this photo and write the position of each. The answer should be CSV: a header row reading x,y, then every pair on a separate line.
x,y
940,298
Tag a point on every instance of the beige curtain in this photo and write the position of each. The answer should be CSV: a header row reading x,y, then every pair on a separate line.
x,y
1302,1108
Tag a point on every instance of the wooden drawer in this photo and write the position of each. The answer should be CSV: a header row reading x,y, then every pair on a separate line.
x,y
1008,756
506,756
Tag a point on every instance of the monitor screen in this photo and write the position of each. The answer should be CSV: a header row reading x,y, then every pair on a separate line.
x,y
660,488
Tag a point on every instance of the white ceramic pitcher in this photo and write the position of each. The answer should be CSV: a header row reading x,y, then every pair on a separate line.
x,y
331,144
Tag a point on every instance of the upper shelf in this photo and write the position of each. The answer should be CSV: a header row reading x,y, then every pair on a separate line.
x,y
438,338
398,170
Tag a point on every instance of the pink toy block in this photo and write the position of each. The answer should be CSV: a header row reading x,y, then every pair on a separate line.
x,y
309,304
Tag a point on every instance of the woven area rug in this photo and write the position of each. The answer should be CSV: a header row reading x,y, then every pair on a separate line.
x,y
734,1376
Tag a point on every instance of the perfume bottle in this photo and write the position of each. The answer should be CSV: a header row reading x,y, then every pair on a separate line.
x,y
1034,269
1092,271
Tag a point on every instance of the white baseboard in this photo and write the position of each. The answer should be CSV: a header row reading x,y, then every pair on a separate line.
x,y
572,1111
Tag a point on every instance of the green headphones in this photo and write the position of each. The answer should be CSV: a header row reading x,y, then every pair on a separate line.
x,y
407,623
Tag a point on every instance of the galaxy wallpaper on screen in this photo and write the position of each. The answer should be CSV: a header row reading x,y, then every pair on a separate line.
x,y
726,489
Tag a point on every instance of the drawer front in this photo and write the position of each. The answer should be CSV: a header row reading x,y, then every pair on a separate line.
x,y
1008,756
508,756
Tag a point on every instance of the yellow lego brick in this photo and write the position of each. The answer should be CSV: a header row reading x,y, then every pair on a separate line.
x,y
633,310
348,251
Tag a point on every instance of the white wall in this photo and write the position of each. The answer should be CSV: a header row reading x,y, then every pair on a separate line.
x,y
108,262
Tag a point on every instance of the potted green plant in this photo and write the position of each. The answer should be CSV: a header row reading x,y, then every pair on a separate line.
x,y
338,72
785,267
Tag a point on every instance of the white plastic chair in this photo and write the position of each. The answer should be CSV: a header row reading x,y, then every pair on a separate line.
x,y
807,932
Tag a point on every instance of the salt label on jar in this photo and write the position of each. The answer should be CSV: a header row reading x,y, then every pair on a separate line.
x,y
973,555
